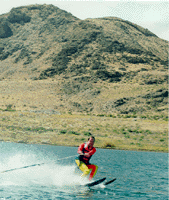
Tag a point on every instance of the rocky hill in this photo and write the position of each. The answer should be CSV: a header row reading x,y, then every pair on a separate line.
x,y
105,66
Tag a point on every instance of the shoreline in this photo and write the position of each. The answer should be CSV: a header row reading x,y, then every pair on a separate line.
x,y
97,147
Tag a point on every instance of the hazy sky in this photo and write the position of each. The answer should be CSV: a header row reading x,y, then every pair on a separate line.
x,y
153,15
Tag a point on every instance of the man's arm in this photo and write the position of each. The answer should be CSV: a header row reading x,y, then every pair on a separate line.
x,y
90,153
80,149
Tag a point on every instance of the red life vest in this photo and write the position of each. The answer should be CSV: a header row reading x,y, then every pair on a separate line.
x,y
84,148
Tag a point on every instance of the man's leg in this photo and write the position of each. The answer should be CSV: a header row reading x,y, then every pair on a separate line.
x,y
93,169
83,167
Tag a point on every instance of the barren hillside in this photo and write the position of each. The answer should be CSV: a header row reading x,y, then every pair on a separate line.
x,y
103,65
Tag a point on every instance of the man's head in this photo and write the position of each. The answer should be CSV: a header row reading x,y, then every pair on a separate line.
x,y
91,141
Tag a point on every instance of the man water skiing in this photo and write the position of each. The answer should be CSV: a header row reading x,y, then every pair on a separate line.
x,y
85,151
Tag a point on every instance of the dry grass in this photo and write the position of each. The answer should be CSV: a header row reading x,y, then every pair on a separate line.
x,y
46,94
117,133
32,116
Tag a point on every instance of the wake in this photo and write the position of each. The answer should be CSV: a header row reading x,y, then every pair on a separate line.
x,y
45,174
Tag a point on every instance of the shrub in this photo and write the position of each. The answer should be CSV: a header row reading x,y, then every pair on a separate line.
x,y
73,132
9,108
100,115
63,131
108,145
148,132
165,118
87,133
113,116
18,16
143,117
5,31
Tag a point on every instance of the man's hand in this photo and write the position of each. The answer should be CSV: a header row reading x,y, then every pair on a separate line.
x,y
84,154
87,154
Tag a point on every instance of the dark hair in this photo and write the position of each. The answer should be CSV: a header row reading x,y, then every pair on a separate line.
x,y
92,138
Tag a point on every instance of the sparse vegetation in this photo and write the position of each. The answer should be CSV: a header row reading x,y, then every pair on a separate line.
x,y
115,133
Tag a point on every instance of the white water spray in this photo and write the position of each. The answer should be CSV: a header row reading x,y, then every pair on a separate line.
x,y
47,174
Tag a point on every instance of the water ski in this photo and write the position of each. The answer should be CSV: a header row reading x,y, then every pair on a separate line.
x,y
108,182
100,181
95,182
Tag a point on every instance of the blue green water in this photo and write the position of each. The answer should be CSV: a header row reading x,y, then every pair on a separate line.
x,y
140,175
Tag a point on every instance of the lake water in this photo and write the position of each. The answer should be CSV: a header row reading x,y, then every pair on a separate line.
x,y
140,175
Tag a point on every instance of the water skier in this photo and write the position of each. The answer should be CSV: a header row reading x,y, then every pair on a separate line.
x,y
85,151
